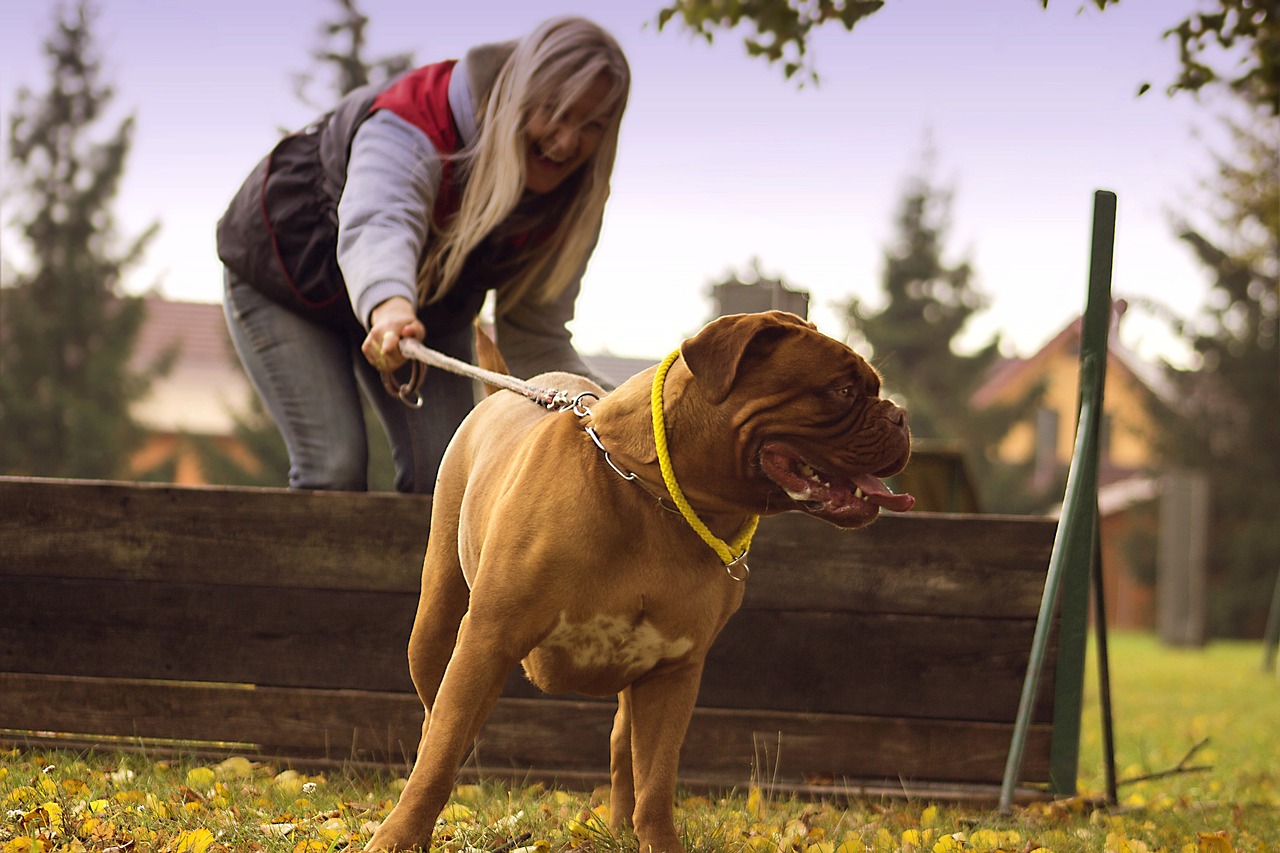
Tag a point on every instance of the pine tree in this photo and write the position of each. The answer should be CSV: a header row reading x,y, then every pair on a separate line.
x,y
929,303
342,52
1232,404
66,329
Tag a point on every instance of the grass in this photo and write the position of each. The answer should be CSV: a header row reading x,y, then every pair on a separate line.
x,y
1166,703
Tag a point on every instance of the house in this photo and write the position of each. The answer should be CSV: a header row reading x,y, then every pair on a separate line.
x,y
1136,394
205,390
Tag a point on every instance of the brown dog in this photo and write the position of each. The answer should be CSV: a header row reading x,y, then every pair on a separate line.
x,y
540,551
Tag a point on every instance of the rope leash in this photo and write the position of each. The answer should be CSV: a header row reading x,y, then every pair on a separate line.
x,y
410,393
732,554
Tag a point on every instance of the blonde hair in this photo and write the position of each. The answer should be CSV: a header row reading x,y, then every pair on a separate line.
x,y
552,66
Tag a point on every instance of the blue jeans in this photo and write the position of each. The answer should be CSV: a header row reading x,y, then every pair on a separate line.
x,y
310,377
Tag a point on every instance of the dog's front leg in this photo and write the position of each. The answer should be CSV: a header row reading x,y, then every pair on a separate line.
x,y
661,707
622,794
472,684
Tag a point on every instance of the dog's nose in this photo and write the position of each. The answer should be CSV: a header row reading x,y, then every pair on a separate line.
x,y
899,417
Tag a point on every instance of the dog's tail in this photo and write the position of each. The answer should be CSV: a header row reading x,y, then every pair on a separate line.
x,y
489,357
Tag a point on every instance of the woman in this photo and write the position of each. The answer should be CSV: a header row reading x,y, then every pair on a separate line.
x,y
394,214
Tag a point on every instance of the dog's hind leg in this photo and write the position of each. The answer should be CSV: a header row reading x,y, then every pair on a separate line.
x,y
440,609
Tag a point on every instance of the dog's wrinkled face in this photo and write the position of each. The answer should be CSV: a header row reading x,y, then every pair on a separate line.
x,y
808,415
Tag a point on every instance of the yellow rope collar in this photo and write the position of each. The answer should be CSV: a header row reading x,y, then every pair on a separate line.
x,y
730,553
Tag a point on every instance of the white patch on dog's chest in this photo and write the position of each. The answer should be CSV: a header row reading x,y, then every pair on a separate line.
x,y
614,643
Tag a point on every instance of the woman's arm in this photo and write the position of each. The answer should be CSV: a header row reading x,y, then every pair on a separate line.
x,y
393,176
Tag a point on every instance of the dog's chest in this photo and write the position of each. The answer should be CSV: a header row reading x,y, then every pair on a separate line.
x,y
601,653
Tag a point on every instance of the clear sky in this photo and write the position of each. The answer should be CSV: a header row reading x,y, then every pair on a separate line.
x,y
721,160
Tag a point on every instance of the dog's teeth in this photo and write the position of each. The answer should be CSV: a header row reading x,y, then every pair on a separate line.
x,y
857,493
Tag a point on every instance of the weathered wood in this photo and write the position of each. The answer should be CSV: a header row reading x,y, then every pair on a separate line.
x,y
277,621
817,661
922,563
946,565
212,535
724,747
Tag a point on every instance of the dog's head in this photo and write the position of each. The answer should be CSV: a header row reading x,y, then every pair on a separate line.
x,y
808,414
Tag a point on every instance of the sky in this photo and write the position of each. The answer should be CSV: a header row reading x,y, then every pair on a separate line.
x,y
723,164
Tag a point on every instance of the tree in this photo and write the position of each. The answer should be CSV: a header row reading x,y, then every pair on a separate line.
x,y
913,336
342,49
782,27
1232,402
1246,30
67,330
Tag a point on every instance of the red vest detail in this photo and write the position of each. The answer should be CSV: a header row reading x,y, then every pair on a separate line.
x,y
421,98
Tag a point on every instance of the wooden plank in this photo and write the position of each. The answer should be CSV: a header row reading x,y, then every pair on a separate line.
x,y
941,564
197,632
852,663
553,736
916,563
247,537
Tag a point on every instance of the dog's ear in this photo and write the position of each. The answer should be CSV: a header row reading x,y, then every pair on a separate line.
x,y
714,356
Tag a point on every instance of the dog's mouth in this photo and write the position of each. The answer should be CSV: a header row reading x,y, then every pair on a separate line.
x,y
846,501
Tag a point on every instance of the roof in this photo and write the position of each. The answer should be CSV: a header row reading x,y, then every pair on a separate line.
x,y
1010,371
206,385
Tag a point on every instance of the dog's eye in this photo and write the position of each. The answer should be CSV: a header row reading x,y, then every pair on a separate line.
x,y
846,392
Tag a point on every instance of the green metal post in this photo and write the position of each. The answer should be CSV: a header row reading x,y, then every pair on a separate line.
x,y
1073,546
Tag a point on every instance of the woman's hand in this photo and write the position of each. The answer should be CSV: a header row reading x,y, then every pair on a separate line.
x,y
390,321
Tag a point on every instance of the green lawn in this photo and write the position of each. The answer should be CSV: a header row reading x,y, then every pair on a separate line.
x,y
1166,702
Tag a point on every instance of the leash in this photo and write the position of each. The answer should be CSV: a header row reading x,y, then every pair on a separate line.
x,y
410,392
732,554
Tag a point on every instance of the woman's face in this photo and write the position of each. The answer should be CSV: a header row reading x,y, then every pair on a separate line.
x,y
556,147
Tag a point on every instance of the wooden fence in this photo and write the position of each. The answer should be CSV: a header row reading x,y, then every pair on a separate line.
x,y
274,623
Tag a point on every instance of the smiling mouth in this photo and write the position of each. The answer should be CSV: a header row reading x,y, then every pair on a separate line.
x,y
543,154
832,496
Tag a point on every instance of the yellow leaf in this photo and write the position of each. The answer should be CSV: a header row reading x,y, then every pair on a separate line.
x,y
820,847
311,845
929,817
333,828
235,767
25,844
289,781
948,844
984,840
52,813
194,840
455,812
1214,842
201,778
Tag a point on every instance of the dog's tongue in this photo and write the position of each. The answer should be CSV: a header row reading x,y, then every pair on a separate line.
x,y
878,493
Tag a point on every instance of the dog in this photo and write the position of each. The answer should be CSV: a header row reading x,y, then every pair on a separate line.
x,y
557,542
